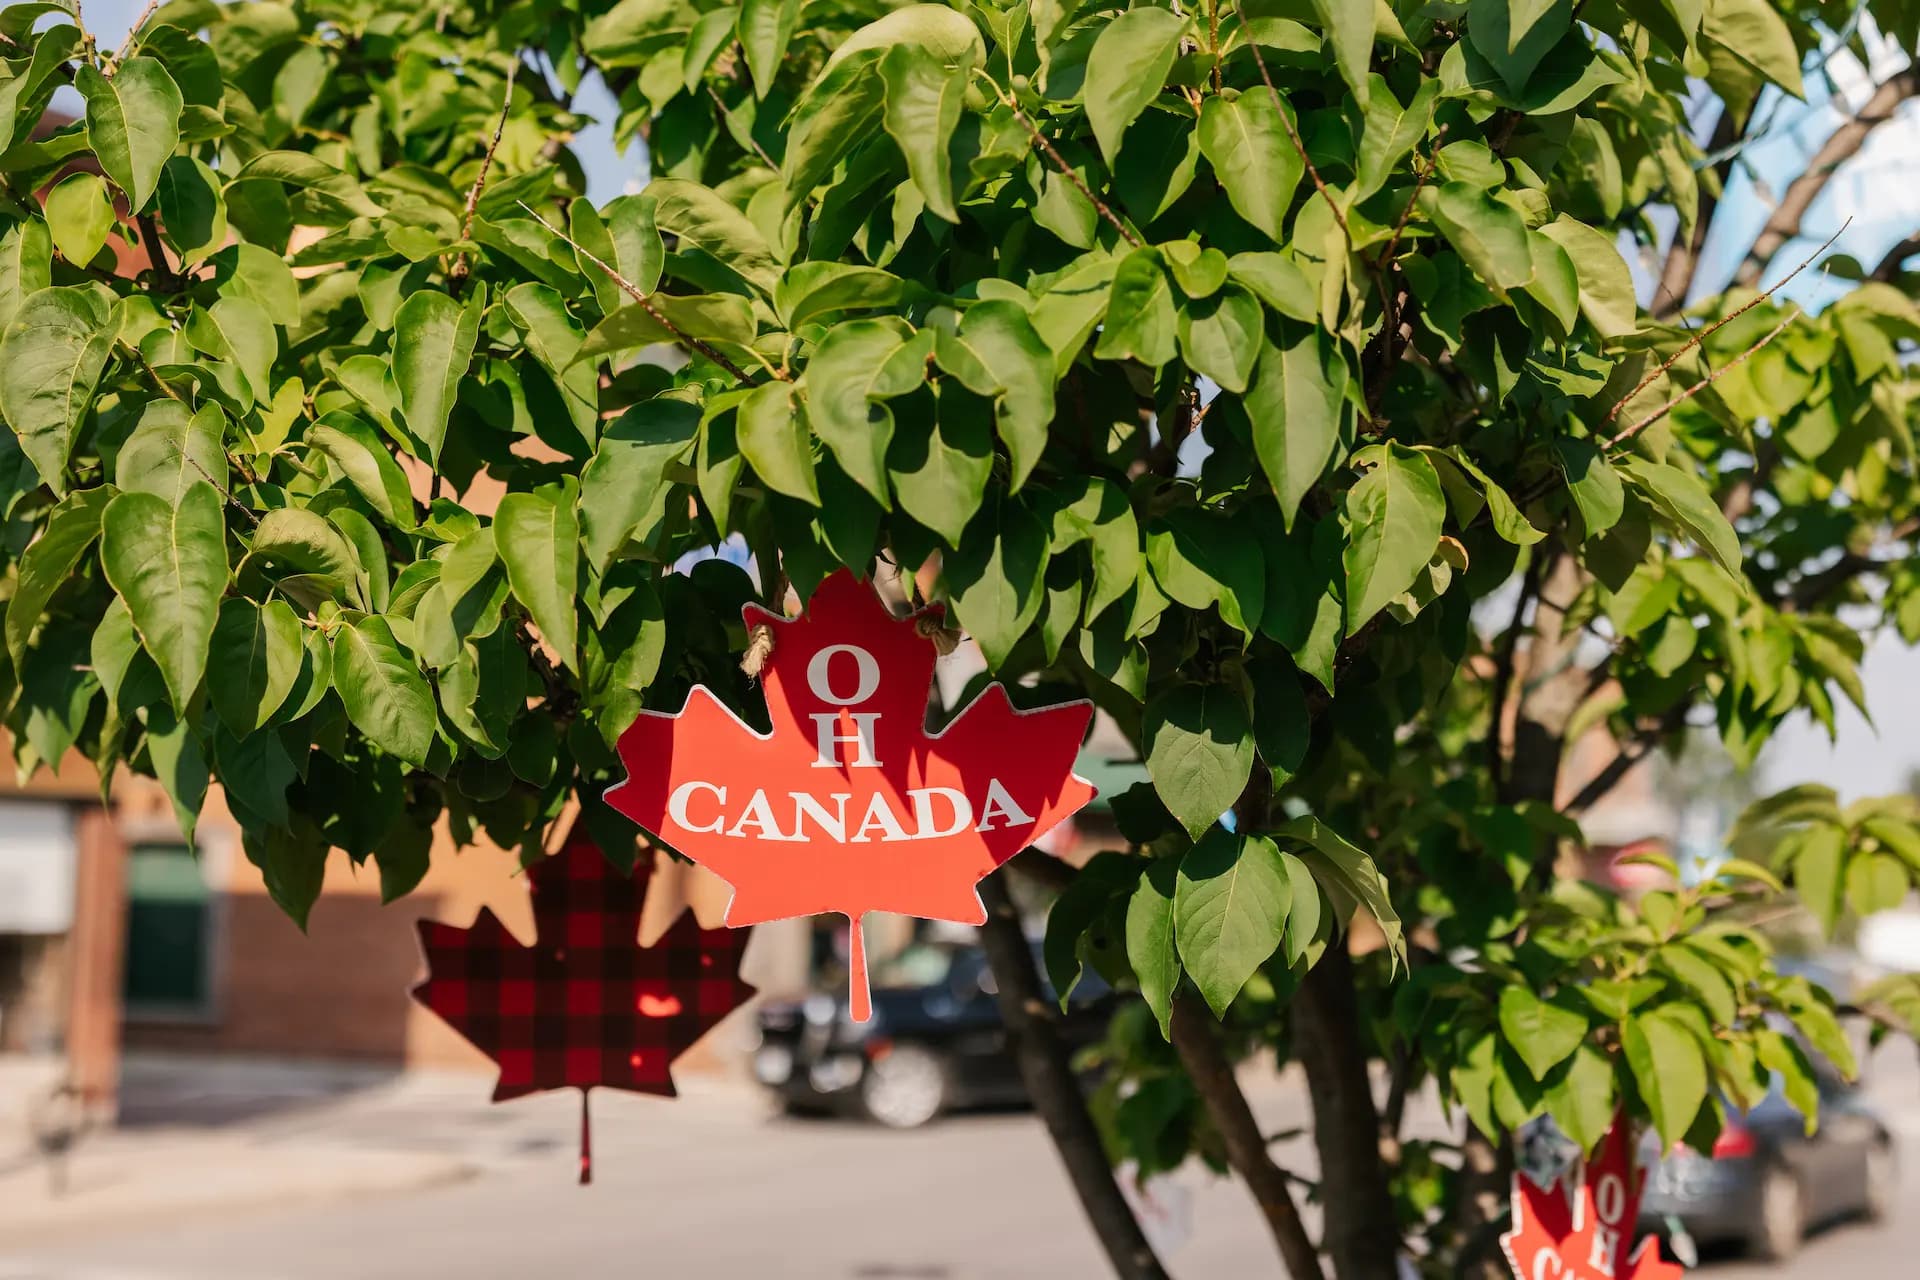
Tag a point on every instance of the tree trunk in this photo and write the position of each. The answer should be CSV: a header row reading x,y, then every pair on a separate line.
x,y
1055,1091
1360,1234
1212,1075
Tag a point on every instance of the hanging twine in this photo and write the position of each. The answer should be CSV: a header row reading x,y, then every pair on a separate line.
x,y
929,626
760,635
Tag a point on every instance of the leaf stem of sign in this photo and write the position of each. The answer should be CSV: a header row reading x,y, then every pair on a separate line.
x,y
1066,171
1339,214
639,295
462,265
1702,335
1629,433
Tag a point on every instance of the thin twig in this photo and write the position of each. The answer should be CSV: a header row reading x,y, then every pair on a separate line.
x,y
1339,214
639,295
1634,430
1702,335
726,113
1213,36
126,46
462,266
1066,170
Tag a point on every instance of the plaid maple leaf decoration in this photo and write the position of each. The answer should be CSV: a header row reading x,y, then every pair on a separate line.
x,y
585,1005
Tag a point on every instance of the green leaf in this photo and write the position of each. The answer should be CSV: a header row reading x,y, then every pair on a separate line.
x,y
995,576
50,561
331,192
26,265
1199,743
293,866
1394,517
382,689
257,652
1011,365
133,120
1581,1098
1596,489
773,437
1606,285
1754,32
1126,69
1141,321
1246,142
702,219
1229,912
50,364
1222,336
1081,905
539,541
1295,404
1350,30
1670,1069
1200,559
842,406
1278,282
1817,874
1703,978
810,290
23,95
179,764
1489,236
79,215
940,474
172,450
922,109
624,487
1096,512
1684,500
1515,35
1150,939
433,341
1351,879
168,561
1543,1033
351,446
238,330
256,772
765,29
193,213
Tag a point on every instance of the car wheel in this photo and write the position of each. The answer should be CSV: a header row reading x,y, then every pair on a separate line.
x,y
904,1088
1783,1216
1883,1181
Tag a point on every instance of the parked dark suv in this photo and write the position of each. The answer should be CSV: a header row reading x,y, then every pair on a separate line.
x,y
935,1041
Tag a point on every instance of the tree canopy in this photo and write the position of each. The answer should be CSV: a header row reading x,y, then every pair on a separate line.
x,y
1270,372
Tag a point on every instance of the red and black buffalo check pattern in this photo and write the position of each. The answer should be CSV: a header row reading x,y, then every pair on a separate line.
x,y
585,1005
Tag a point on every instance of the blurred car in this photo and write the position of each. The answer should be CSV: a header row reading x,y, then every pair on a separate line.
x,y
935,1042
1766,1183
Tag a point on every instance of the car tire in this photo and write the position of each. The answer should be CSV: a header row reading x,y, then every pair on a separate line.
x,y
904,1088
1883,1182
1782,1223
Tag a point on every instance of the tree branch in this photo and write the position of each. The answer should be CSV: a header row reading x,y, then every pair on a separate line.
x,y
1842,145
1066,170
1889,268
1212,1075
462,266
1627,433
1701,335
639,295
1055,1091
1280,108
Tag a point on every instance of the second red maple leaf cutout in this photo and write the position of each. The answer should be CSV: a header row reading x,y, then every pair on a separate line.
x,y
849,804
585,1005
1582,1227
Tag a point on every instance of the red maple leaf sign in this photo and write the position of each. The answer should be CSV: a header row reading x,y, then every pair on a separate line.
x,y
585,1005
849,805
1582,1227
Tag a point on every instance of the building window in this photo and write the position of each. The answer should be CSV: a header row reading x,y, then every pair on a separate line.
x,y
170,934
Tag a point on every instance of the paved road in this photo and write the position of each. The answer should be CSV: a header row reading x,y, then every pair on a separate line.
x,y
714,1187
